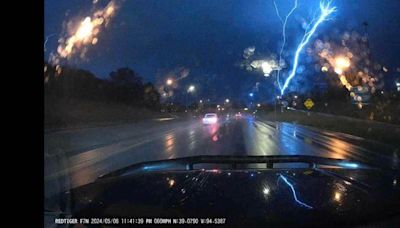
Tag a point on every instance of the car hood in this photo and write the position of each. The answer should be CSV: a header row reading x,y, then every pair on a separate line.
x,y
277,196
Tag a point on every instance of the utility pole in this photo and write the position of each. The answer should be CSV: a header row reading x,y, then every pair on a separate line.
x,y
366,34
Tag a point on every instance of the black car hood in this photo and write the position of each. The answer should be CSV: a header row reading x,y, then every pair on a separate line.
x,y
275,196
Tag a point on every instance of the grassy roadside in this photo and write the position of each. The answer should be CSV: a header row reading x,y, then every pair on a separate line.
x,y
378,131
84,113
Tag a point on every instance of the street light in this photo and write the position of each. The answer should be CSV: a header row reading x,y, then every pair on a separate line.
x,y
266,68
191,89
251,94
226,100
169,81
341,63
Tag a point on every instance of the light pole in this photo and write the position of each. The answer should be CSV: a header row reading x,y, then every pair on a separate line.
x,y
190,89
276,98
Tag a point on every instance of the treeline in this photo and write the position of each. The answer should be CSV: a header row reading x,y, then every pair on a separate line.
x,y
383,107
122,86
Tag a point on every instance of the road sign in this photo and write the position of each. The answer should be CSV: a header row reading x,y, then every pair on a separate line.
x,y
308,103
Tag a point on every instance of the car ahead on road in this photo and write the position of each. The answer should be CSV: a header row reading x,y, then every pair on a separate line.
x,y
268,191
238,115
210,118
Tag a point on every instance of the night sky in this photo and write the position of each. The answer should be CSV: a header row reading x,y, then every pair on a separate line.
x,y
208,37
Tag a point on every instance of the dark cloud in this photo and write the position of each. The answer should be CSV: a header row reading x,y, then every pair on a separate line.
x,y
209,36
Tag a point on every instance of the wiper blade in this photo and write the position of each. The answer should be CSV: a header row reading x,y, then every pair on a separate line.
x,y
187,163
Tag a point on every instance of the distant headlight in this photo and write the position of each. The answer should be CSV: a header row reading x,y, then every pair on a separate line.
x,y
210,120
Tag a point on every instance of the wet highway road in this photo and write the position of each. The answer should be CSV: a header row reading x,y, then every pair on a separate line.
x,y
77,157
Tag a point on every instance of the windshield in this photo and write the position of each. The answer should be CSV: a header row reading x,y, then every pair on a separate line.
x,y
133,81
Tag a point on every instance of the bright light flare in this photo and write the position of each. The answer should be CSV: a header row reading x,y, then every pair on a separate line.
x,y
210,120
169,81
337,196
214,171
171,183
87,31
342,62
191,89
350,165
266,191
266,67
338,70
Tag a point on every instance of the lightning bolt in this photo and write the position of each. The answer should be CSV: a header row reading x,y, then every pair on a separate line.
x,y
47,39
283,36
277,12
326,10
294,192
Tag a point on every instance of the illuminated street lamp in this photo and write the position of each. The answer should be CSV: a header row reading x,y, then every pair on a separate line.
x,y
251,94
266,68
191,89
169,81
226,100
341,63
